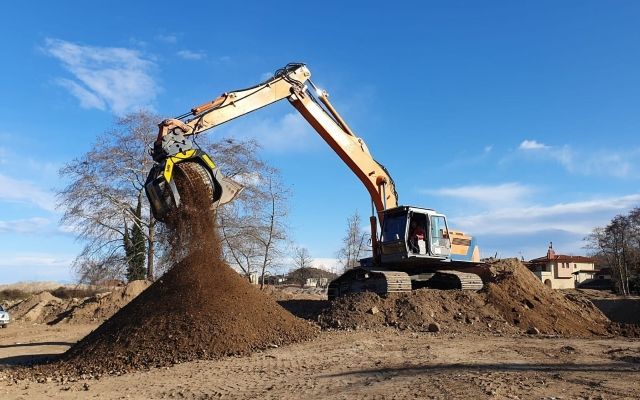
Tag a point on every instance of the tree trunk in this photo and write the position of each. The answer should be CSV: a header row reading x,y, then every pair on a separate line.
x,y
151,253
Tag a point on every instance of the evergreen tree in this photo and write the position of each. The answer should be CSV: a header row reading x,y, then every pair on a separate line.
x,y
135,248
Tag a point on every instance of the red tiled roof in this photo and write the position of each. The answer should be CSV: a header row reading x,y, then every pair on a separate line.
x,y
564,258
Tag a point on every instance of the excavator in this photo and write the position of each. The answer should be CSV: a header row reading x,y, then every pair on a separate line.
x,y
415,247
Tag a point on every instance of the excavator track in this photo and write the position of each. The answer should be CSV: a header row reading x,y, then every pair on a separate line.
x,y
383,282
449,279
394,281
362,280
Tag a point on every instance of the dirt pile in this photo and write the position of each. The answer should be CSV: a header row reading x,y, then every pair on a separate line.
x,y
453,311
46,308
100,307
37,308
513,301
200,309
523,300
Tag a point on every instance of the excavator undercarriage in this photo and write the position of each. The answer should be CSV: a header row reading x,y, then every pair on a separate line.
x,y
384,282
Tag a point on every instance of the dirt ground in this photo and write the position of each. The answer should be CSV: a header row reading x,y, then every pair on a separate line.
x,y
383,364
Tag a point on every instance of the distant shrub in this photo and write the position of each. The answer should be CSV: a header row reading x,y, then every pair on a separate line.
x,y
69,293
13,294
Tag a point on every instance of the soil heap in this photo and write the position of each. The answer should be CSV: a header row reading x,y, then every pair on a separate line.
x,y
525,301
513,301
46,308
37,308
100,307
200,309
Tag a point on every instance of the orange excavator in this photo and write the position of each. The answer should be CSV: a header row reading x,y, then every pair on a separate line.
x,y
414,247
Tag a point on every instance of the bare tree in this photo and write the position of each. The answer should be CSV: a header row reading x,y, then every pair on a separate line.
x,y
253,227
301,258
354,244
303,266
105,205
103,196
619,245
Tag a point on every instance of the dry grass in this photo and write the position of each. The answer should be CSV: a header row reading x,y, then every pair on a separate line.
x,y
63,292
13,294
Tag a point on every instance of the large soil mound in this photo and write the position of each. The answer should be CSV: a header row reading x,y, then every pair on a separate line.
x,y
524,300
200,309
513,301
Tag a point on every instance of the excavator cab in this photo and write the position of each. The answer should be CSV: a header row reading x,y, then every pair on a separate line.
x,y
412,233
421,235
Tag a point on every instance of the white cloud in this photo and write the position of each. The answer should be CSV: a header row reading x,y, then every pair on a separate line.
x,y
532,145
105,77
604,162
488,148
35,267
88,99
290,132
578,217
506,193
29,225
35,259
191,55
13,190
248,178
327,264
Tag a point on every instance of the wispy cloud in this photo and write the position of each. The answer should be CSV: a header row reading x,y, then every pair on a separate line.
x,y
603,162
169,38
532,145
578,217
113,78
191,55
29,225
506,193
265,75
35,267
19,191
290,132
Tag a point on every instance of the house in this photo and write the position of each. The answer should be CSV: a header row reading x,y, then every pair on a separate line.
x,y
559,271
601,280
316,282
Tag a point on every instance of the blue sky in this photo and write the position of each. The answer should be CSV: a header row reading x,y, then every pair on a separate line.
x,y
519,120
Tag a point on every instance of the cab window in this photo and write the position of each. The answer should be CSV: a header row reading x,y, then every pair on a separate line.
x,y
394,228
438,227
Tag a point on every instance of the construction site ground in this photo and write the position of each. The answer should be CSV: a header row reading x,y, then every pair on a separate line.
x,y
379,364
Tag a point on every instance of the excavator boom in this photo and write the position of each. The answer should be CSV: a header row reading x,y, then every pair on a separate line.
x,y
173,142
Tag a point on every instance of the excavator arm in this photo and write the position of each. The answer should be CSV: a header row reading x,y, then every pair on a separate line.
x,y
173,146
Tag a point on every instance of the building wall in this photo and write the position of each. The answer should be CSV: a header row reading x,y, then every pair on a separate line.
x,y
562,269
549,280
564,283
583,266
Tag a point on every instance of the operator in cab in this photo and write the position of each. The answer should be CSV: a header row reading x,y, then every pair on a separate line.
x,y
416,233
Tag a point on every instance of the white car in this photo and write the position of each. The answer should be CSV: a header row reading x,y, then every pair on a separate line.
x,y
4,317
